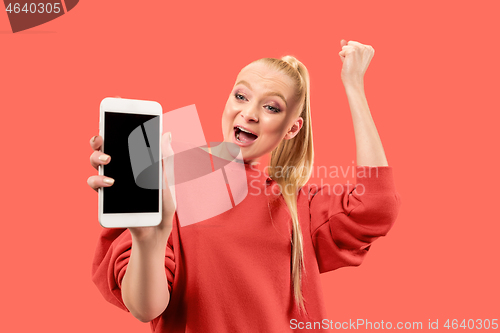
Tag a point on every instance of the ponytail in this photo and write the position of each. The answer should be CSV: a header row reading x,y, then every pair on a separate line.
x,y
291,164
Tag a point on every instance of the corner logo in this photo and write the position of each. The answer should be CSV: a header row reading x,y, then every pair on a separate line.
x,y
25,15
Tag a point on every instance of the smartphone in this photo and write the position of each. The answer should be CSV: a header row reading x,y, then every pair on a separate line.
x,y
131,130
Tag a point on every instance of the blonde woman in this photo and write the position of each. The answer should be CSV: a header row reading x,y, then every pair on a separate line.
x,y
255,267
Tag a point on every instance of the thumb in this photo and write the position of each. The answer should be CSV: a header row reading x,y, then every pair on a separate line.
x,y
167,158
343,42
168,183
166,147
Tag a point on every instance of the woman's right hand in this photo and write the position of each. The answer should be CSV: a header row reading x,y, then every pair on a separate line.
x,y
98,158
95,182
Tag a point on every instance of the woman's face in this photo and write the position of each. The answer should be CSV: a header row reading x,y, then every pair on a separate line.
x,y
262,102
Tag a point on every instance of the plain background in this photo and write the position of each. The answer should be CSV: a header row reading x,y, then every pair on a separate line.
x,y
432,88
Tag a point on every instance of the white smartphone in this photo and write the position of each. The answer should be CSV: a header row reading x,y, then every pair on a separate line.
x,y
131,130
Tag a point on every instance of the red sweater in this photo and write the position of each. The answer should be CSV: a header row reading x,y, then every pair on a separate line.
x,y
232,272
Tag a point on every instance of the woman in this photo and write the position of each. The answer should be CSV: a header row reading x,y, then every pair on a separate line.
x,y
255,268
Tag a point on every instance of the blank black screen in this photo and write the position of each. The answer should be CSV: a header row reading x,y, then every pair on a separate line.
x,y
125,196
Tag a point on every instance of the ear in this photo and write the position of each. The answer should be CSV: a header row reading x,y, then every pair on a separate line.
x,y
294,130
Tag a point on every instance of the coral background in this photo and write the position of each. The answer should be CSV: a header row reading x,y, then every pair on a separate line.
x,y
432,89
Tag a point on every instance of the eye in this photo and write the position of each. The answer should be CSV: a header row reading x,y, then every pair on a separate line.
x,y
273,109
240,97
237,95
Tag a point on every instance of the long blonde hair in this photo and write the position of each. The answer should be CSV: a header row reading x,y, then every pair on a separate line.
x,y
291,162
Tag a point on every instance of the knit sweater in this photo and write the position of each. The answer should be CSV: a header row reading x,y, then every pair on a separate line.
x,y
232,272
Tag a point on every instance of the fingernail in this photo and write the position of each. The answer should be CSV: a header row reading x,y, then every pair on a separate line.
x,y
93,139
104,157
109,181
169,137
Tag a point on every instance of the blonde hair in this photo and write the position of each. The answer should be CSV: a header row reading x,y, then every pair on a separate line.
x,y
291,162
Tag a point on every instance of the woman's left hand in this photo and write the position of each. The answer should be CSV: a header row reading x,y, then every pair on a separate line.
x,y
355,58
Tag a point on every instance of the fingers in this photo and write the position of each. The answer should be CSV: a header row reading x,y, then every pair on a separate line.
x,y
344,43
99,181
97,158
347,48
345,52
352,46
96,142
351,42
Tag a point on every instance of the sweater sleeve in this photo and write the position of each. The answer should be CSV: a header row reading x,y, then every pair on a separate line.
x,y
346,219
110,263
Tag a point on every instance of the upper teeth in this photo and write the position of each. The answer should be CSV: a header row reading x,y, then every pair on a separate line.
x,y
244,130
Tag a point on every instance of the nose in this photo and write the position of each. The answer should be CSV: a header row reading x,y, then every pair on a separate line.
x,y
250,114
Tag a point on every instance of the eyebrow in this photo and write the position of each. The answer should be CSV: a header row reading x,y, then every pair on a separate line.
x,y
269,93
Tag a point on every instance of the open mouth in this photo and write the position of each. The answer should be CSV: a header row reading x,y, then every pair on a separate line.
x,y
244,136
